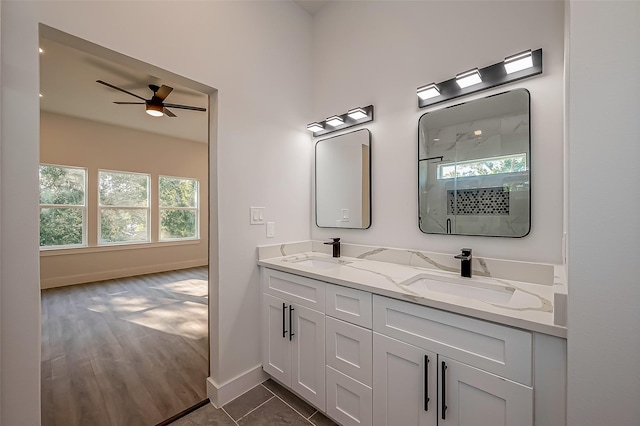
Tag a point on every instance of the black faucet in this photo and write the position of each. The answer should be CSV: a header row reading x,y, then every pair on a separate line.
x,y
465,267
336,246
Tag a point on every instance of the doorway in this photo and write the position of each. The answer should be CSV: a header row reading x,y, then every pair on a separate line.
x,y
124,237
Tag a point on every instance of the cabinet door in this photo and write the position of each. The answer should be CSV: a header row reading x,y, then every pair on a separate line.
x,y
276,349
404,376
474,397
308,355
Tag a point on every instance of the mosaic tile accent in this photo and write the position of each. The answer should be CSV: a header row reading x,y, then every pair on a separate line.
x,y
478,202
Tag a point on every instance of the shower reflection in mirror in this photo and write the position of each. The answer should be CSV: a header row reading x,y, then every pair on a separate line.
x,y
474,167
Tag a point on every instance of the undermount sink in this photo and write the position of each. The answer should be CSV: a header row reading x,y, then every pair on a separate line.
x,y
320,262
462,287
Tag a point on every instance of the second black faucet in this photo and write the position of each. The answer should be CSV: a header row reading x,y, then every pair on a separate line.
x,y
336,246
465,266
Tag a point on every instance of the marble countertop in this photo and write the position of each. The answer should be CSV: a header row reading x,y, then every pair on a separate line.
x,y
520,304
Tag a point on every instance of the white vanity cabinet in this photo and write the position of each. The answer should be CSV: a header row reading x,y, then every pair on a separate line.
x,y
366,359
349,344
436,368
293,333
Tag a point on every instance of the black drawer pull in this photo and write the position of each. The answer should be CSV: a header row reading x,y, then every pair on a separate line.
x,y
444,390
284,313
290,323
426,383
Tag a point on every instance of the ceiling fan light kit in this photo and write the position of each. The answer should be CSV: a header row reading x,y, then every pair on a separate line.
x,y
154,110
154,106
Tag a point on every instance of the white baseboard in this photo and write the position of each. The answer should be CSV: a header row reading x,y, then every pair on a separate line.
x,y
119,273
221,394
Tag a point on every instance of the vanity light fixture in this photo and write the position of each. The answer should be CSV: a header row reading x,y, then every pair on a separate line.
x,y
334,121
40,50
513,68
352,117
468,78
314,127
357,113
429,91
518,62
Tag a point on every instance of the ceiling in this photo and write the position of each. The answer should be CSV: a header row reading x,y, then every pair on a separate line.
x,y
68,86
311,6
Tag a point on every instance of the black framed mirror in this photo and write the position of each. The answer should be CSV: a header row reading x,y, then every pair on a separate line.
x,y
343,181
474,167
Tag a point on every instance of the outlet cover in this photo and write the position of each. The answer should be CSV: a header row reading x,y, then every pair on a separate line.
x,y
271,229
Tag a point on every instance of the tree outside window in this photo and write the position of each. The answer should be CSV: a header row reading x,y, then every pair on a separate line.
x,y
62,206
484,166
124,207
178,208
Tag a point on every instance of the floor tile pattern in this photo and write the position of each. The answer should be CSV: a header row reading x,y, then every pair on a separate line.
x,y
268,404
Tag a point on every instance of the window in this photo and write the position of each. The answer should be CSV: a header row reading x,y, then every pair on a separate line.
x,y
178,208
484,166
62,206
124,207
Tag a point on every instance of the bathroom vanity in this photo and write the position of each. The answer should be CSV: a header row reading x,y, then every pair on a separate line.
x,y
397,337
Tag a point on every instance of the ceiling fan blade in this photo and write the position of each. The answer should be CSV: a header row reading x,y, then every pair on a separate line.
x,y
117,88
168,113
192,108
130,103
163,92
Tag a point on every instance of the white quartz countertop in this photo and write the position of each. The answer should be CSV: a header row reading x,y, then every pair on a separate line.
x,y
514,303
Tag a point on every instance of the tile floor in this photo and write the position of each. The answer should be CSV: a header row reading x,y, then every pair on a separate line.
x,y
268,404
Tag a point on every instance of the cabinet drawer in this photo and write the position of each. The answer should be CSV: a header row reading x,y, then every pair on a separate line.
x,y
349,349
349,305
297,290
348,401
498,349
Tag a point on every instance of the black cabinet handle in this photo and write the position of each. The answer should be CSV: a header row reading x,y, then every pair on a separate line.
x,y
426,383
444,390
284,312
290,323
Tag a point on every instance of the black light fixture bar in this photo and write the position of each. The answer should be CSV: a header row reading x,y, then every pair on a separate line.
x,y
347,121
492,76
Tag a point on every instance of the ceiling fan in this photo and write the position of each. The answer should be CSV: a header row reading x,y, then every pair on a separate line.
x,y
155,106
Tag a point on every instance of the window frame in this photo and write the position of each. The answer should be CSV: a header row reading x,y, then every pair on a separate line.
x,y
196,209
83,209
100,207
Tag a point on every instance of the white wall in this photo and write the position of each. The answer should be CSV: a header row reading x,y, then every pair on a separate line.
x,y
380,52
604,230
257,54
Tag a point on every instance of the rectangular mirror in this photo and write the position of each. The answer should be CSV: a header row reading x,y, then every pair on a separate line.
x,y
343,181
474,167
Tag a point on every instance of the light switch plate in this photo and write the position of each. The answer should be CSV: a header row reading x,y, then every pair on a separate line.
x,y
345,215
257,216
271,229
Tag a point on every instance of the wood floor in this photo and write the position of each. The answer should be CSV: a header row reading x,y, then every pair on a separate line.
x,y
130,351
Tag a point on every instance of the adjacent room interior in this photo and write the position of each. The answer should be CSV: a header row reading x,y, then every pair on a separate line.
x,y
123,241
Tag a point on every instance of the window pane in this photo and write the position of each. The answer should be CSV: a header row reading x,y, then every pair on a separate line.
x,y
123,225
60,226
176,192
177,224
61,185
484,166
123,189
